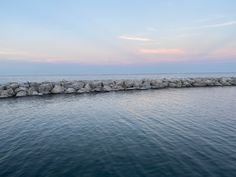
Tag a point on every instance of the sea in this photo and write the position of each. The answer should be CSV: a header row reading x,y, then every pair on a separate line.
x,y
187,132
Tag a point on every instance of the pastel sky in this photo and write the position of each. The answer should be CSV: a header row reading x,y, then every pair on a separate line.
x,y
117,36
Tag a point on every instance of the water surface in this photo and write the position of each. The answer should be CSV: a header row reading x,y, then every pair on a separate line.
x,y
170,132
41,78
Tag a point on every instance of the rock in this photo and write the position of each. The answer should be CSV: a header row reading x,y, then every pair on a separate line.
x,y
26,84
70,90
96,86
225,81
118,85
199,83
32,91
21,89
172,85
86,89
58,89
45,88
34,88
13,85
7,93
107,88
76,85
21,93
146,84
186,83
233,81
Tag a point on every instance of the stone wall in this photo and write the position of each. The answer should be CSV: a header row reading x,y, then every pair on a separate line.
x,y
68,87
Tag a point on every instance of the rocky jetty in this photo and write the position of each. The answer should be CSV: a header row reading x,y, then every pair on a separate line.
x,y
68,87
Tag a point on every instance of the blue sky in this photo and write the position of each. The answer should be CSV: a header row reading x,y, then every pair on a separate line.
x,y
125,36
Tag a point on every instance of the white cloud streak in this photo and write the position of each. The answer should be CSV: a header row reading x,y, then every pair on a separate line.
x,y
135,38
218,25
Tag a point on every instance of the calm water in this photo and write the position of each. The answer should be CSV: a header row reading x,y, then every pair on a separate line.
x,y
155,133
41,78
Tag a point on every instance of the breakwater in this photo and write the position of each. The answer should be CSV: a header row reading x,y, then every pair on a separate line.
x,y
15,89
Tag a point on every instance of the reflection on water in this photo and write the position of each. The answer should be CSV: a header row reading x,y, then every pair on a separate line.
x,y
171,132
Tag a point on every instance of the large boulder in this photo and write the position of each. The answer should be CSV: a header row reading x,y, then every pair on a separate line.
x,y
96,85
7,93
146,84
21,93
58,89
107,88
45,88
85,89
118,85
32,91
76,85
12,85
225,81
198,82
129,85
70,90
21,88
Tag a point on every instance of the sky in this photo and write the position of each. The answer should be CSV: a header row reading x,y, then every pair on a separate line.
x,y
117,36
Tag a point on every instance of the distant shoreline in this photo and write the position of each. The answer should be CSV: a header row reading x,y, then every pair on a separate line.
x,y
15,89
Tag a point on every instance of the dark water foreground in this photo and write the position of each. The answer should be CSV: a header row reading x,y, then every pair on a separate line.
x,y
151,133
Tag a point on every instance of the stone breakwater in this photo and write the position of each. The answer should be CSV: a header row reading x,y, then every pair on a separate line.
x,y
15,89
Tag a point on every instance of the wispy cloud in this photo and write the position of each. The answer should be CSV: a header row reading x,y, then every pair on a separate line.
x,y
166,52
217,25
220,24
135,38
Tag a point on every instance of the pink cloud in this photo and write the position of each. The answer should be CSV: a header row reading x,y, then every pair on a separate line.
x,y
165,52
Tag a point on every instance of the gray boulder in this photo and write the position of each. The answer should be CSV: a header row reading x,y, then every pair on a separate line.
x,y
76,85
45,88
21,89
58,89
12,85
107,88
146,84
70,90
21,93
7,93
